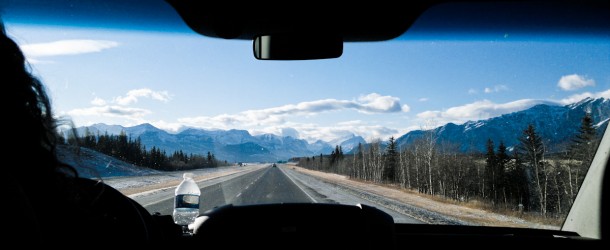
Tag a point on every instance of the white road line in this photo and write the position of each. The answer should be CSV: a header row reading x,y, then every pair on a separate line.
x,y
303,190
199,183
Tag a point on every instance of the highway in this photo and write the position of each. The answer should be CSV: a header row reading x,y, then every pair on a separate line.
x,y
266,185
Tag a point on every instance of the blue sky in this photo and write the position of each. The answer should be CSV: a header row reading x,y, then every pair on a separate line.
x,y
376,90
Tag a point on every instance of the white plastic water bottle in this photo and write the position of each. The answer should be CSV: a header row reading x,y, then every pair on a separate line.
x,y
186,204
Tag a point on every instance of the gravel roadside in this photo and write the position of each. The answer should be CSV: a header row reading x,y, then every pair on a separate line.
x,y
418,206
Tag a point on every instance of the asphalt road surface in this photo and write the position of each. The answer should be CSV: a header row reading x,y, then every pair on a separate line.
x,y
267,185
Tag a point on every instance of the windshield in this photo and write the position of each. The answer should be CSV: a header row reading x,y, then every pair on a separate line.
x,y
493,130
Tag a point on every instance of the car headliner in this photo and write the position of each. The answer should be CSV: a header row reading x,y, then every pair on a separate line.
x,y
369,21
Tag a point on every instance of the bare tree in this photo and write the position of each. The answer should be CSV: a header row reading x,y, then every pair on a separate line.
x,y
405,170
376,162
428,156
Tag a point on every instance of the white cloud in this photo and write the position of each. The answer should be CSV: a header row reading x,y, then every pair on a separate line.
x,y
368,104
486,109
98,101
111,111
351,123
479,110
423,99
117,111
429,114
133,95
495,89
281,130
376,103
172,127
314,132
273,120
289,132
472,91
577,97
36,61
66,47
308,131
574,82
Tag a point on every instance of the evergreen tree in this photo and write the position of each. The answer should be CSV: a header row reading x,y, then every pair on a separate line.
x,y
586,131
519,185
585,142
89,139
121,148
213,162
502,159
531,147
531,151
490,171
391,158
321,161
333,155
358,161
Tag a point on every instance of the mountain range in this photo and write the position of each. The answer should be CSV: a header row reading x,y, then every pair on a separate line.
x,y
556,124
231,145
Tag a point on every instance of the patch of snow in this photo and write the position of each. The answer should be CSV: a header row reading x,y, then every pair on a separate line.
x,y
472,125
92,164
599,124
125,182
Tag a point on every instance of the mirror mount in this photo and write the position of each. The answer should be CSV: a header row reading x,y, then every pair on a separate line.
x,y
297,46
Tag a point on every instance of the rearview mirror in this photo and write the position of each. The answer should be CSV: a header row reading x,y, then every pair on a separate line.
x,y
297,47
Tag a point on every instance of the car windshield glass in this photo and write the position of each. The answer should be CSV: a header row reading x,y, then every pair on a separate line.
x,y
493,129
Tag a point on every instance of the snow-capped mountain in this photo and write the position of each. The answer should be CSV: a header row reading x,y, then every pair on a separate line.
x,y
231,145
348,142
320,147
101,128
556,125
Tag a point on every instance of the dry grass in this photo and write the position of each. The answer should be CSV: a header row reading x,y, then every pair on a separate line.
x,y
474,212
486,206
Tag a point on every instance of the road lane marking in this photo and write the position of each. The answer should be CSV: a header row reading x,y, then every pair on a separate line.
x,y
302,190
249,185
209,182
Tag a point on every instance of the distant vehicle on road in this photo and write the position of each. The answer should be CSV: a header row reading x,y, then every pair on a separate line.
x,y
274,165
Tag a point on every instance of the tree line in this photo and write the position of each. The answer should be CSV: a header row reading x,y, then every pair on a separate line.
x,y
131,150
525,177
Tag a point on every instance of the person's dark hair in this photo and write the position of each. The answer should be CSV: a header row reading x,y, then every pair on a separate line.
x,y
38,183
27,100
45,197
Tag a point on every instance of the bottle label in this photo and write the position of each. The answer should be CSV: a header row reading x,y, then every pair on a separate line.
x,y
187,201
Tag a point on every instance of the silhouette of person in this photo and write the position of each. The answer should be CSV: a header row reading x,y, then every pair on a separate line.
x,y
44,198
